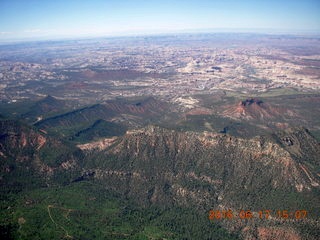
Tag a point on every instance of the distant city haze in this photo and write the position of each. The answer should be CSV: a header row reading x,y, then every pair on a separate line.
x,y
46,19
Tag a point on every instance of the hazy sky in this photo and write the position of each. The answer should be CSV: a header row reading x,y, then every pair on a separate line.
x,y
69,18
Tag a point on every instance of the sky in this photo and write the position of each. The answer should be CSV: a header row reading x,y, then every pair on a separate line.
x,y
37,19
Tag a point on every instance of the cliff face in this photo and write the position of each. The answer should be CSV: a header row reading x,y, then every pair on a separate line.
x,y
214,171
254,109
26,154
207,168
164,167
168,167
16,138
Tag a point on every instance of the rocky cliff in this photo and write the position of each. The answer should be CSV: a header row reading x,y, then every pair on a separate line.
x,y
157,166
208,170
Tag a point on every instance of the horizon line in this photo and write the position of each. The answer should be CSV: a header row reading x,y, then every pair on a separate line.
x,y
63,37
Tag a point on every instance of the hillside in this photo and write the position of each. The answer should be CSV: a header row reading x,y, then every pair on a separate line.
x,y
254,109
164,167
26,153
45,107
121,113
161,155
156,167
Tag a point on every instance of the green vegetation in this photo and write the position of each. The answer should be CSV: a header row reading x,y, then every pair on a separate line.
x,y
99,129
148,184
85,210
218,124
